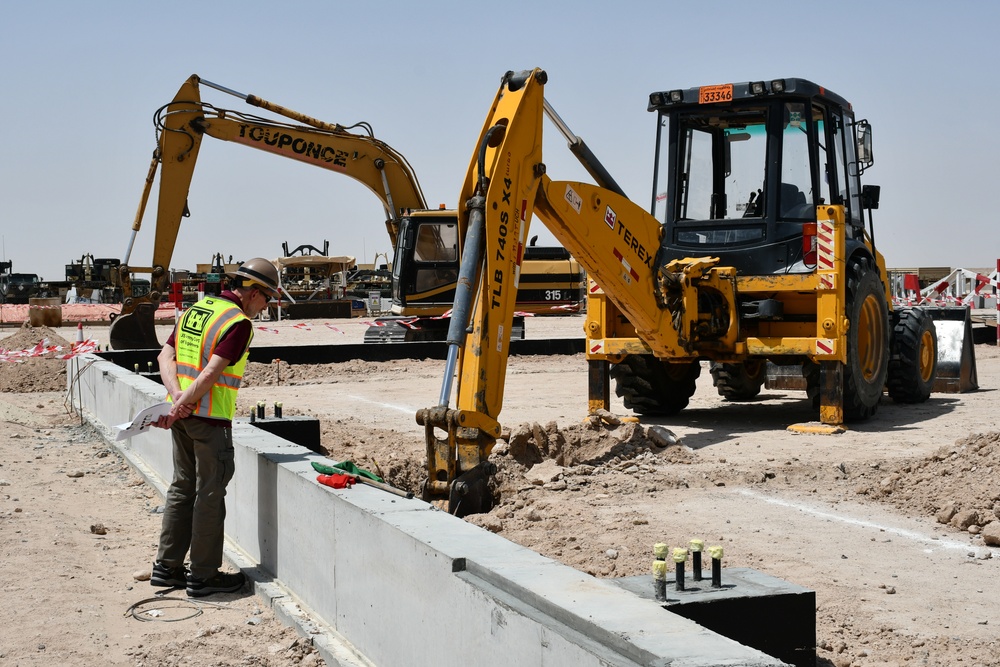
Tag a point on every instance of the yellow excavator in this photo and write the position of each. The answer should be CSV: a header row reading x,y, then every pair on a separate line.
x,y
425,263
753,256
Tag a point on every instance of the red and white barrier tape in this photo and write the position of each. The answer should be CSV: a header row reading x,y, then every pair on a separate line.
x,y
43,348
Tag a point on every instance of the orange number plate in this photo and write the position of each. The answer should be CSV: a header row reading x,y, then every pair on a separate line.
x,y
709,94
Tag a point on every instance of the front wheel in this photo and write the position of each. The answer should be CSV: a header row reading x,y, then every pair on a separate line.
x,y
867,341
650,386
739,382
913,361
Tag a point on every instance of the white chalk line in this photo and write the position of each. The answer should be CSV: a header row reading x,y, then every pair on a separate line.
x,y
899,532
400,408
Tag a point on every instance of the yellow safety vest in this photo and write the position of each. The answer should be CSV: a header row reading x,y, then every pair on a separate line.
x,y
200,330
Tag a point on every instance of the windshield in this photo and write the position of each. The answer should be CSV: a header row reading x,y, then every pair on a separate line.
x,y
722,166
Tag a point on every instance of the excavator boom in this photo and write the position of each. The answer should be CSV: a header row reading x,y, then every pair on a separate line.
x,y
176,152
183,123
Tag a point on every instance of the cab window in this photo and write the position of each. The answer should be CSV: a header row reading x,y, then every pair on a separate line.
x,y
795,195
435,254
723,160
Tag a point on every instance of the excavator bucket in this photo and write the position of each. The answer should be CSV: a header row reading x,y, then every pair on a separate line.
x,y
956,362
135,330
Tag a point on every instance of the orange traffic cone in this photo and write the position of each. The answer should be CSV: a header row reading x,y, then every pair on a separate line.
x,y
79,332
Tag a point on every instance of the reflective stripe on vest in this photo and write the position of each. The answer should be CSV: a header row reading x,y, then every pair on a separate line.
x,y
198,334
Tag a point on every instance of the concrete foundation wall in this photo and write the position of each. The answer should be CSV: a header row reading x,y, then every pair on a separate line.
x,y
390,581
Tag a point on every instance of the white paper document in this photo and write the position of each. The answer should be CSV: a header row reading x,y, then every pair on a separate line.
x,y
143,420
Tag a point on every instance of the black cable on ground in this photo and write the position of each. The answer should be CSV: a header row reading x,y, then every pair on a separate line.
x,y
197,608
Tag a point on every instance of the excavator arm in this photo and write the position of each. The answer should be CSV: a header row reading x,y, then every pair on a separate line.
x,y
181,126
505,186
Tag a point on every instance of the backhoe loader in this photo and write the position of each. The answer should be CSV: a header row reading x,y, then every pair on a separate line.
x,y
753,255
425,264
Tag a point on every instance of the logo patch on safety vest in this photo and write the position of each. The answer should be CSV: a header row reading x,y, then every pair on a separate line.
x,y
195,319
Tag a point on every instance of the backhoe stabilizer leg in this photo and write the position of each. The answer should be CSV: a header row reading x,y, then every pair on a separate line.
x,y
831,392
598,385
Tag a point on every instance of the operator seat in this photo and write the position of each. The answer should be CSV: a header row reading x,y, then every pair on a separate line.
x,y
794,204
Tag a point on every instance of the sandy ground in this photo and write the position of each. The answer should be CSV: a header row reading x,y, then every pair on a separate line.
x,y
78,531
888,522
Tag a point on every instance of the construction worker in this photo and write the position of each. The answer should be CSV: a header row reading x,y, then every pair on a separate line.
x,y
201,365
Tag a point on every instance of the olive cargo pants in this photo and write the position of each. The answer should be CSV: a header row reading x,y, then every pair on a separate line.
x,y
195,510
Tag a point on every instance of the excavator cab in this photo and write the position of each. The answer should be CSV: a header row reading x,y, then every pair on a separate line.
x,y
425,265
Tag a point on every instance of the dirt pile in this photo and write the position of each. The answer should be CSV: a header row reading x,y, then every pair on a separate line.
x,y
33,374
528,457
592,443
958,484
592,453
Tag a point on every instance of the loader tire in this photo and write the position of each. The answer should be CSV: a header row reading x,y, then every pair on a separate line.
x,y
650,386
913,358
741,381
867,341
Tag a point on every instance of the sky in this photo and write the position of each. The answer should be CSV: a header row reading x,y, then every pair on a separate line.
x,y
82,80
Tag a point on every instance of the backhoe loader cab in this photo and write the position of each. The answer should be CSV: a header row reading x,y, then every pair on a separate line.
x,y
764,260
741,168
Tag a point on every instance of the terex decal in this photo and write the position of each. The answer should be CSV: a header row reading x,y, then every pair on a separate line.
x,y
633,243
276,141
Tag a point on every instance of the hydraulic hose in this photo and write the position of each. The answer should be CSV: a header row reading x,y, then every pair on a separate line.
x,y
467,270
463,292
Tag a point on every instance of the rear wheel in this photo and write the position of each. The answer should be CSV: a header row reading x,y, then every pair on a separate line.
x,y
913,360
650,386
739,382
867,341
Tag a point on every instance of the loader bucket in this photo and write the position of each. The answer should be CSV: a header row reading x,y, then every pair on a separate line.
x,y
956,358
785,377
135,330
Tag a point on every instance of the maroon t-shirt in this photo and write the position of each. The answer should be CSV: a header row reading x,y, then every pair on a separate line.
x,y
231,346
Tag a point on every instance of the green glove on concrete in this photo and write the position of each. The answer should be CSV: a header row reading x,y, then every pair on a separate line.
x,y
342,467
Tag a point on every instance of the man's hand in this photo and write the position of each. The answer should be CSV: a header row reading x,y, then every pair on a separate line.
x,y
166,421
179,410
186,401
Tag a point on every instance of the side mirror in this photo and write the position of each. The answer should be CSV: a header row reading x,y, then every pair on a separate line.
x,y
869,196
866,158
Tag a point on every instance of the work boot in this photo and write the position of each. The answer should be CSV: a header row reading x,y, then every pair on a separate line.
x,y
220,582
168,577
